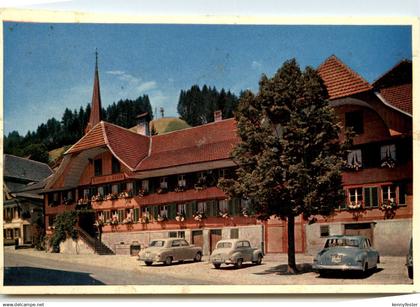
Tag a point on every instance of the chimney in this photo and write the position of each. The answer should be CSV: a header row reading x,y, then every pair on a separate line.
x,y
218,116
143,124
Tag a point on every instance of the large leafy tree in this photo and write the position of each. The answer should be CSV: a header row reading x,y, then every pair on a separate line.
x,y
289,156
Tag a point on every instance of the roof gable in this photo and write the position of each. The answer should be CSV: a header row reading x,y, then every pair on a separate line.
x,y
127,146
340,80
399,74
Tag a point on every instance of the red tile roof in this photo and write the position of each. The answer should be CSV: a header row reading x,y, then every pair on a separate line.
x,y
127,146
340,80
210,142
400,96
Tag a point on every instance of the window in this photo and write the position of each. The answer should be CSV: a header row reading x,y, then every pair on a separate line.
x,y
114,189
129,187
223,173
371,197
177,234
234,233
223,206
70,195
324,230
51,219
101,191
86,193
55,197
355,198
116,166
202,175
9,233
245,244
402,191
388,151
176,243
16,233
388,193
145,211
182,209
98,167
354,159
107,215
145,185
202,207
181,181
354,120
163,211
163,183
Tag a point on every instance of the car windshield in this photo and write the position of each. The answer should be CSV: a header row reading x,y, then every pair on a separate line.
x,y
334,242
158,243
224,245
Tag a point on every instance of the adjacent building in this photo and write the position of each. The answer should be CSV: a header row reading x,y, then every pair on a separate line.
x,y
143,187
23,180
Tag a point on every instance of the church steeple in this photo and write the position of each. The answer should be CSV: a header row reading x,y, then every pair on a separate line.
x,y
95,112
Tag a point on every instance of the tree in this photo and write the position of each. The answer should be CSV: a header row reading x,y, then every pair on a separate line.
x,y
37,152
289,156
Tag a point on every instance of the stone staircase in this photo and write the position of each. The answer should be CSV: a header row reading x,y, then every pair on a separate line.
x,y
95,244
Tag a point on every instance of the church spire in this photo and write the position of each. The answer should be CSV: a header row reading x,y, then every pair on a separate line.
x,y
95,112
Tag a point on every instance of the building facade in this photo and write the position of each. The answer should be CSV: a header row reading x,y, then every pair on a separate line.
x,y
143,187
23,180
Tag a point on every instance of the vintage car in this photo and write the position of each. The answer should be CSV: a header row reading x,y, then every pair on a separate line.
x,y
409,262
169,250
235,251
346,253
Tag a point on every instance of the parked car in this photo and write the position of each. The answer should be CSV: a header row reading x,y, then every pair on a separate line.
x,y
169,250
236,252
346,253
409,262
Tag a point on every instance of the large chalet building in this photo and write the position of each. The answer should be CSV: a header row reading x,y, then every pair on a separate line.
x,y
143,187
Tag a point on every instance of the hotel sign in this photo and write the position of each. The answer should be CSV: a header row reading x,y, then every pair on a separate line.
x,y
108,178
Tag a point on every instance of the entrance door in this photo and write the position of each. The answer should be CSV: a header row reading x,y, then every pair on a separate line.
x,y
215,236
275,239
197,238
27,234
359,229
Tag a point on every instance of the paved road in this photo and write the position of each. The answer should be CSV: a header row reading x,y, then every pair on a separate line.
x,y
29,270
40,268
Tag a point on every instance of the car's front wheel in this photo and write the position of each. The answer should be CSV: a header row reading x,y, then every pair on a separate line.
x,y
148,263
217,265
197,257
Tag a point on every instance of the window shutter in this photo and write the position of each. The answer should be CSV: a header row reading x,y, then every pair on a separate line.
x,y
136,214
375,200
367,198
401,194
191,209
231,207
155,210
237,205
215,205
172,211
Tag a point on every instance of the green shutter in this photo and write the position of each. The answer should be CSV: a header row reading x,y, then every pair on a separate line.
x,y
367,197
136,214
231,207
375,199
172,211
155,211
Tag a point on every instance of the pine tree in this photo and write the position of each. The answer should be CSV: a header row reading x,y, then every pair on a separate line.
x,y
289,156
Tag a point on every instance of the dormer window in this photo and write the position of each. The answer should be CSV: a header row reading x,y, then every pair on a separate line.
x,y
116,166
163,182
98,167
354,120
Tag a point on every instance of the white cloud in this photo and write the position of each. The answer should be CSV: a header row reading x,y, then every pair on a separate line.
x,y
147,86
115,72
256,65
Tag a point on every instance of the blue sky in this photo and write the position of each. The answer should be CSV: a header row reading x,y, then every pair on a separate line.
x,y
48,67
